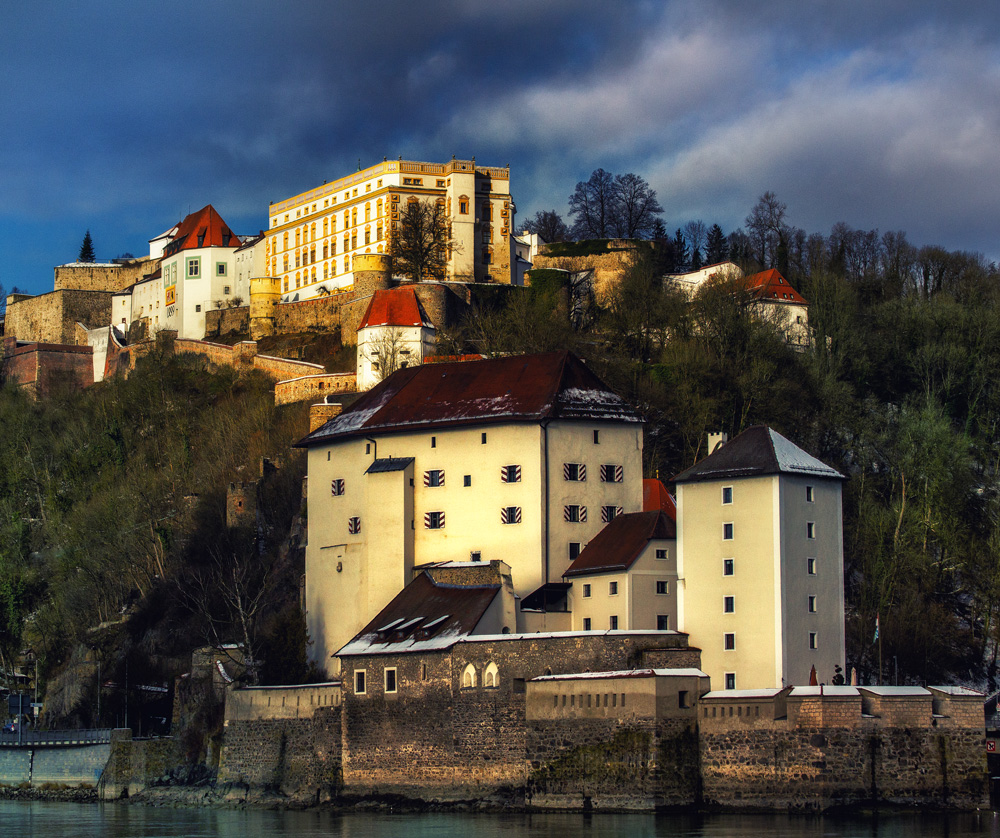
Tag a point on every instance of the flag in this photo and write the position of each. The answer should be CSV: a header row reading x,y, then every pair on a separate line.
x,y
875,638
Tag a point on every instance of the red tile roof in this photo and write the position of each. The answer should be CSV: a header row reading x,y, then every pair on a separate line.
x,y
395,307
204,228
621,542
656,498
522,388
772,286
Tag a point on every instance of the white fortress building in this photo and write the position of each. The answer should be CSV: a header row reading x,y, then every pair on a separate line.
x,y
313,238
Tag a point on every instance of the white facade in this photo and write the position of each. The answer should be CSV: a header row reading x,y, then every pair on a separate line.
x,y
384,349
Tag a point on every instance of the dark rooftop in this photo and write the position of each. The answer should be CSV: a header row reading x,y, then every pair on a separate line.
x,y
620,543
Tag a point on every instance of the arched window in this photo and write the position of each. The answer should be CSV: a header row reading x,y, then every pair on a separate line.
x,y
491,678
333,224
326,226
298,236
368,211
469,677
378,207
312,232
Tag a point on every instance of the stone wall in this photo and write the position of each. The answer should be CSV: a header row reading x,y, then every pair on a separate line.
x,y
313,387
52,317
53,765
96,276
320,314
41,368
227,321
607,267
134,764
283,368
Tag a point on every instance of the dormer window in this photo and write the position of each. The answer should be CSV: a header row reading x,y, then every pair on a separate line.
x,y
201,237
226,236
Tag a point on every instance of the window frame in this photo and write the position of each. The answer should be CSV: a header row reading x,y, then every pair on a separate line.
x,y
385,680
811,565
729,604
613,588
434,519
662,587
586,590
729,567
728,531
361,677
729,641
727,495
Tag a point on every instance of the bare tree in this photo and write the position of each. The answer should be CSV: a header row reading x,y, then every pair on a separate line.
x,y
419,248
765,228
386,352
636,207
620,206
592,206
549,225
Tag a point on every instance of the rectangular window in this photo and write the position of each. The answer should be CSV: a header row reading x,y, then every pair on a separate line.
x,y
510,515
510,474
809,494
813,642
727,531
467,480
575,514
574,549
390,679
597,437
613,623
663,622
434,520
812,604
729,642
727,567
730,681
728,605
463,207
727,494
434,442
613,589
475,555
611,473
810,530
225,289
197,308
811,566
586,623
337,487
661,553
662,586
434,477
574,471
609,513
220,269
483,440
354,525
193,267
586,591
359,681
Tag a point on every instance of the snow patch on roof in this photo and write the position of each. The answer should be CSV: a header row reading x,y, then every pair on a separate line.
x,y
896,691
793,459
624,673
825,690
734,694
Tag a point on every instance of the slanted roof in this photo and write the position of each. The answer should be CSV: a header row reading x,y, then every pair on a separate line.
x,y
204,228
621,542
656,497
424,616
387,464
522,388
773,287
395,307
756,452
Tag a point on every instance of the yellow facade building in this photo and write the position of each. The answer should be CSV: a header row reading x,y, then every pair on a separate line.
x,y
313,238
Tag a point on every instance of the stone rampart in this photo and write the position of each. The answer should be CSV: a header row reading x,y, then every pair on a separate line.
x,y
98,276
53,317
283,368
319,314
311,387
227,321
134,764
41,368
607,267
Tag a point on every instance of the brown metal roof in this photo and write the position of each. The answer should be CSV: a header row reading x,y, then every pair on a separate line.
x,y
522,388
621,542
395,307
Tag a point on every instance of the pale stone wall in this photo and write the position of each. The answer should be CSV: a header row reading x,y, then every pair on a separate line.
x,y
52,317
311,387
97,276
607,267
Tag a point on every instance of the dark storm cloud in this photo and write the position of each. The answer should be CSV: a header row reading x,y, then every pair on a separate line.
x,y
122,116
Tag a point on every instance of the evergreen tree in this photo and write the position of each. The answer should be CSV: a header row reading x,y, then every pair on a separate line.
x,y
86,249
716,249
680,250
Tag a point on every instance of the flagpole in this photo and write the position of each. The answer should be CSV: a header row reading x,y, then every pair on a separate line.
x,y
879,653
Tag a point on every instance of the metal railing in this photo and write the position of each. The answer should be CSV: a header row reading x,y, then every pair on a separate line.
x,y
96,736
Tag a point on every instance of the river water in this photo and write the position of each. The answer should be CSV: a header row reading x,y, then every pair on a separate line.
x,y
71,820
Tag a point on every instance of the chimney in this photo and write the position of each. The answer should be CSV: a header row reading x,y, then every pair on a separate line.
x,y
716,440
320,413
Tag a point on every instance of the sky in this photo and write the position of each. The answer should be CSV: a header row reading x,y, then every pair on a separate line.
x,y
122,117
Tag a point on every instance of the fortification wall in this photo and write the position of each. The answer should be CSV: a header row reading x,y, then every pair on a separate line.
x,y
321,314
52,317
227,321
607,267
314,387
41,368
134,764
96,276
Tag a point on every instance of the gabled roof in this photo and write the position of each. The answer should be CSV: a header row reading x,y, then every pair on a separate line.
x,y
655,497
424,616
756,452
773,287
204,228
395,307
522,388
621,542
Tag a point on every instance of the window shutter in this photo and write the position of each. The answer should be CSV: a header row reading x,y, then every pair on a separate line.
x,y
581,472
583,514
567,471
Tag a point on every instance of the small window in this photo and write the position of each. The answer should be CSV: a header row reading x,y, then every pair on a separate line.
x,y
423,672
609,513
475,555
483,440
510,515
390,680
354,525
467,480
510,474
728,566
587,623
434,442
727,531
613,589
611,473
811,566
812,604
463,207
661,553
193,267
727,494
574,471
575,514
469,677
597,437
220,270
729,642
662,586
337,487
682,699
586,591
730,681
663,622
434,520
813,642
728,605
574,549
359,681
810,530
197,308
809,494
225,289
491,678
613,623
434,478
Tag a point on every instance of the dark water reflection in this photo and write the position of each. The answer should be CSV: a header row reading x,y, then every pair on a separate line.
x,y
68,820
